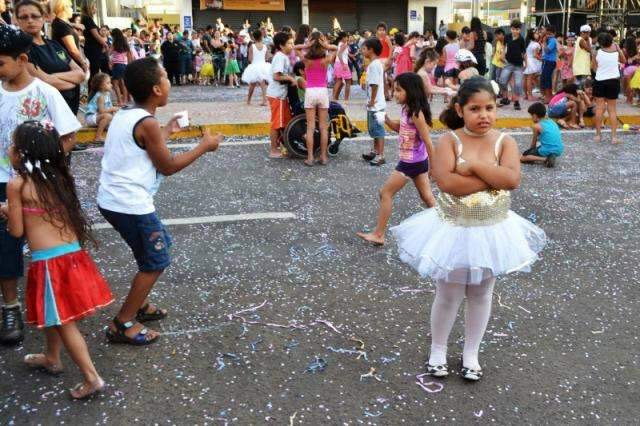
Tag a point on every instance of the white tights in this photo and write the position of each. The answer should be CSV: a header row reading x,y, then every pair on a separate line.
x,y
448,298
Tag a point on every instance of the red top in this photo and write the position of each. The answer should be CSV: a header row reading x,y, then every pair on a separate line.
x,y
386,49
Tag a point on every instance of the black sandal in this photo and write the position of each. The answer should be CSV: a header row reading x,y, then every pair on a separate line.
x,y
144,316
119,335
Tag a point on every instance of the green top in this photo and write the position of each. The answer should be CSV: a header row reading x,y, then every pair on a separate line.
x,y
300,90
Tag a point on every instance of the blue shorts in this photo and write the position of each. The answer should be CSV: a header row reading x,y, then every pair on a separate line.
x,y
376,130
117,71
145,235
11,263
546,75
558,110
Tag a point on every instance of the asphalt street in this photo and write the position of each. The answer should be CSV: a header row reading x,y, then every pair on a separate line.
x,y
561,347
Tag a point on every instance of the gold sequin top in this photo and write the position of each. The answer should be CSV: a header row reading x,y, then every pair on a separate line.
x,y
481,208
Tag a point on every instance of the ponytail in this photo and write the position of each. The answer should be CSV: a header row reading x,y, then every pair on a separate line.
x,y
449,116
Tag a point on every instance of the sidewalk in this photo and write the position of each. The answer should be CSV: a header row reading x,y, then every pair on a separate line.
x,y
224,110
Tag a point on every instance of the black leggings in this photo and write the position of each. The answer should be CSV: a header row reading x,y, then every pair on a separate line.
x,y
173,72
98,61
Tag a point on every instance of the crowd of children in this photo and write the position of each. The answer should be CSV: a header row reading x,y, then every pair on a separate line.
x,y
464,240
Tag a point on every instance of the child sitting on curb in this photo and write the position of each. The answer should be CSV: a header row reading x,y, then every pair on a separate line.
x,y
565,106
547,132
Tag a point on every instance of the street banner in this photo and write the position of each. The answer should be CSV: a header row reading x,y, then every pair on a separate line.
x,y
269,5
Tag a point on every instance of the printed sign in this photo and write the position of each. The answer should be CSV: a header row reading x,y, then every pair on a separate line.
x,y
271,5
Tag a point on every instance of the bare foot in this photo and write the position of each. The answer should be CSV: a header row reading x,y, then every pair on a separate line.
x,y
574,126
372,238
263,103
276,154
41,361
597,138
87,389
308,163
615,141
324,161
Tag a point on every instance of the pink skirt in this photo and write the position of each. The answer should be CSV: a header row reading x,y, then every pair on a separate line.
x,y
341,70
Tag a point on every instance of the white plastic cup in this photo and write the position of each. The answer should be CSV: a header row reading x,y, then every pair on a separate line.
x,y
183,119
380,116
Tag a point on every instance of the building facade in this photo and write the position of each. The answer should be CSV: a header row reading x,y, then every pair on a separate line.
x,y
351,15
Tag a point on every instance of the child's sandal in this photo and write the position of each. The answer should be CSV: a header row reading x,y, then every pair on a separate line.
x,y
144,316
470,374
119,336
441,370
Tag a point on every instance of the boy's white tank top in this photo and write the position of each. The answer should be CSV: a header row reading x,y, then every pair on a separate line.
x,y
128,176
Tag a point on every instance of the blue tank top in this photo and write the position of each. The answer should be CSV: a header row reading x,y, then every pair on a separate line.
x,y
550,138
92,106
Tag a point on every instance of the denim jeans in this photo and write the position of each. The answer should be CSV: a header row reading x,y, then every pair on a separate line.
x,y
505,76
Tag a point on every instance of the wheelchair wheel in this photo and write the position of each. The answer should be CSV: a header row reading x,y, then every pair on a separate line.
x,y
295,137
334,147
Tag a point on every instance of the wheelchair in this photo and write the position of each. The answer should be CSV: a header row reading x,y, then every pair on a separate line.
x,y
294,135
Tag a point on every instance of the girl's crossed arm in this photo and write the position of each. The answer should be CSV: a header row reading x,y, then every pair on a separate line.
x,y
444,171
506,175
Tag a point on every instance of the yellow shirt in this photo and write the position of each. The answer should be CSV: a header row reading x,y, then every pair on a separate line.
x,y
581,61
497,55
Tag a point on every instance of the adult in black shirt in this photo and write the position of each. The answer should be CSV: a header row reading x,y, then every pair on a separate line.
x,y
206,40
48,60
63,33
95,46
171,50
5,14
478,38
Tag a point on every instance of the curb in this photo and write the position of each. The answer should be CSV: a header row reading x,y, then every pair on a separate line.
x,y
87,135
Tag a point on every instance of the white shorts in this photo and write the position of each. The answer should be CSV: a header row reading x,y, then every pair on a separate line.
x,y
316,97
90,120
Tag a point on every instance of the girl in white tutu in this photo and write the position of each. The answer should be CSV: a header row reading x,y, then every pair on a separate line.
x,y
471,236
259,71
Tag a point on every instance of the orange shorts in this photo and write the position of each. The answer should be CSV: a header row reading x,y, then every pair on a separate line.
x,y
280,113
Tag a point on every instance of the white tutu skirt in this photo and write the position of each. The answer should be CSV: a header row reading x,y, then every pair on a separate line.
x,y
467,255
257,72
534,66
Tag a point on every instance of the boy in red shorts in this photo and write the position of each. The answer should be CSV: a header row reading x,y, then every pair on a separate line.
x,y
277,90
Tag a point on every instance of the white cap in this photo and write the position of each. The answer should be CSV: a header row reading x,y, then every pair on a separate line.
x,y
463,55
585,29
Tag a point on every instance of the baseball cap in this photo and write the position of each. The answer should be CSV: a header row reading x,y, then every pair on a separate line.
x,y
585,29
463,55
